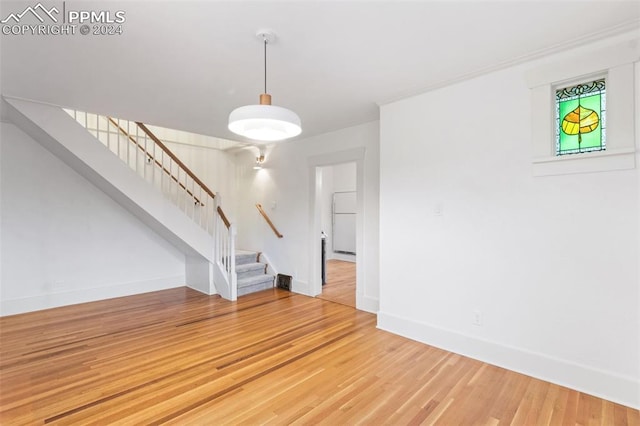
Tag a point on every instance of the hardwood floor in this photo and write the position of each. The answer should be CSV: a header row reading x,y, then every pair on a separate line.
x,y
180,357
341,283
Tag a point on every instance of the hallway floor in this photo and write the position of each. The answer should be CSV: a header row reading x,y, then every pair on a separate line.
x,y
341,283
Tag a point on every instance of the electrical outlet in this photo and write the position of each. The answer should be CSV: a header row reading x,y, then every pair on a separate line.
x,y
477,318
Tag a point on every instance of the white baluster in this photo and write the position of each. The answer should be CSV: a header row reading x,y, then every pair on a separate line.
x,y
232,270
153,165
190,197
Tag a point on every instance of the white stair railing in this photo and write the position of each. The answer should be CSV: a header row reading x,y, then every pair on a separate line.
x,y
134,144
150,158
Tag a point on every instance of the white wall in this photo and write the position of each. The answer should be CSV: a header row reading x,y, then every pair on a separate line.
x,y
215,168
550,264
344,177
637,135
64,241
326,198
283,188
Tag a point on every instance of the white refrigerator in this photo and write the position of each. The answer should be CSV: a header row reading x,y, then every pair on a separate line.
x,y
344,222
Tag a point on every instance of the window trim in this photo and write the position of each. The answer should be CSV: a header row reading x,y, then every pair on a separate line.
x,y
616,64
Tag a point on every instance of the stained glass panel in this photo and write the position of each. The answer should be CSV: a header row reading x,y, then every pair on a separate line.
x,y
581,118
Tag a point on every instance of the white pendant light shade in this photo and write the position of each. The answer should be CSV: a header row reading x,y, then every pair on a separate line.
x,y
267,123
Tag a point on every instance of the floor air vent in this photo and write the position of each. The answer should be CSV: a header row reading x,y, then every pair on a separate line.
x,y
284,281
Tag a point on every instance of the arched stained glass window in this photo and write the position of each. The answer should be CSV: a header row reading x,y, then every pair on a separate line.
x,y
581,118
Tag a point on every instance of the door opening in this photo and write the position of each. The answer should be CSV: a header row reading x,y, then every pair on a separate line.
x,y
316,164
337,210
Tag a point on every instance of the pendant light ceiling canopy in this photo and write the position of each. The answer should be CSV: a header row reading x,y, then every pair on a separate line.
x,y
265,122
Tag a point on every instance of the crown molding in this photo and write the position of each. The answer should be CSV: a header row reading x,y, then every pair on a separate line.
x,y
625,27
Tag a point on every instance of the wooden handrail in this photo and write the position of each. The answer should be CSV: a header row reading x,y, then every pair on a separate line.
x,y
176,159
224,218
158,163
264,214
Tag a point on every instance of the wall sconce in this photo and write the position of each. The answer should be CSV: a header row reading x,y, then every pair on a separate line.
x,y
259,161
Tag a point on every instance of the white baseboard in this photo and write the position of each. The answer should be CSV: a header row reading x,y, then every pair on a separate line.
x,y
367,304
343,256
54,300
600,383
301,287
271,268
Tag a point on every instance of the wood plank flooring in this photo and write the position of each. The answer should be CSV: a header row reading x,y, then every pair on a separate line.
x,y
274,357
341,283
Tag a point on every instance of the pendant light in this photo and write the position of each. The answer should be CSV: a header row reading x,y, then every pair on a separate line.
x,y
265,122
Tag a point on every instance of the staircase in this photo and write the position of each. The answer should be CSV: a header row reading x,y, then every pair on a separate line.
x,y
252,273
137,169
131,165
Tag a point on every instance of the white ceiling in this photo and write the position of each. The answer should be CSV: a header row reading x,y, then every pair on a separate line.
x,y
187,64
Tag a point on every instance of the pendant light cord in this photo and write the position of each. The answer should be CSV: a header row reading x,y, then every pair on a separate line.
x,y
265,65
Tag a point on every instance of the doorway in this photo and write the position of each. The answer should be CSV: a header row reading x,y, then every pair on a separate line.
x,y
321,203
338,216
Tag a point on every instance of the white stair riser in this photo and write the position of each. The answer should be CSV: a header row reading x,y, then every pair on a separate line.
x,y
251,273
255,287
243,259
